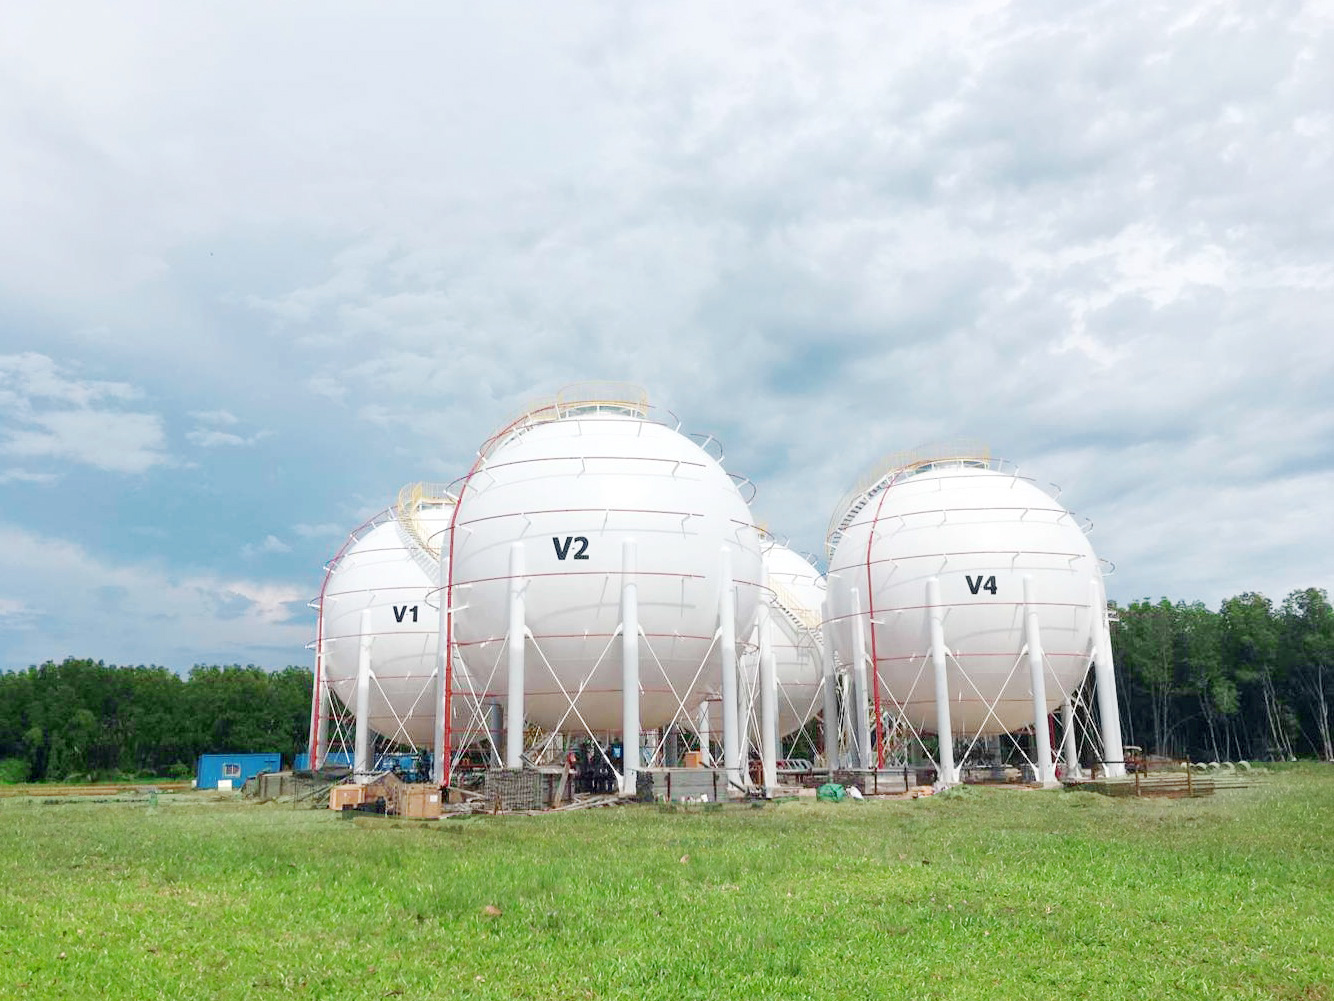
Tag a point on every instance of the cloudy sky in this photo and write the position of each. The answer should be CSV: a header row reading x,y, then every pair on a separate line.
x,y
260,266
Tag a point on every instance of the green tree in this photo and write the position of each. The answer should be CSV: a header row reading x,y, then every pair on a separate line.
x,y
1250,637
1306,650
1200,652
1145,645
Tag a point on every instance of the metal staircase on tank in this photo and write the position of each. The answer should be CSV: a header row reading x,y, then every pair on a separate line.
x,y
837,529
411,500
892,469
788,605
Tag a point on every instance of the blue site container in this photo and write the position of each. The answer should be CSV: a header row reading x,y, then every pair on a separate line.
x,y
237,767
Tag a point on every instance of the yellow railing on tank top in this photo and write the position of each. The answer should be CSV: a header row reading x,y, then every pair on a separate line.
x,y
619,396
411,499
956,450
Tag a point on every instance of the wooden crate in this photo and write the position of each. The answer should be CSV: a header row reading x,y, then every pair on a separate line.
x,y
419,801
346,795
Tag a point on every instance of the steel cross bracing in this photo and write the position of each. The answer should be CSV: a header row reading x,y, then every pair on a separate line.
x,y
557,729
477,722
692,723
683,719
400,730
1082,717
801,637
341,721
474,701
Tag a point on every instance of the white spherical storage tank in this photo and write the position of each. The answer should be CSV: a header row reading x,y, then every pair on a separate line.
x,y
543,524
383,588
985,550
798,597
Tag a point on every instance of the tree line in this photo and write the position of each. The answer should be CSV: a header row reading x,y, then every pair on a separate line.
x,y
1250,680
84,718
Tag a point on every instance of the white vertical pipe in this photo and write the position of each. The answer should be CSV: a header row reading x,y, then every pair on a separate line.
x,y
517,642
1071,750
317,745
629,670
1037,677
768,691
830,696
438,749
320,752
705,735
727,652
944,726
860,697
361,760
1104,682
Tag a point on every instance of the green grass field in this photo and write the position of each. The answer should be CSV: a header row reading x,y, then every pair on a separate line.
x,y
986,894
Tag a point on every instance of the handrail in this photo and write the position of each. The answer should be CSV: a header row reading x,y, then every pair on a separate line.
x,y
704,440
619,396
896,466
411,499
788,602
741,482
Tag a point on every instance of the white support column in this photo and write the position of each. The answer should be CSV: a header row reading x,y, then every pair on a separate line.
x,y
768,692
1037,677
438,749
860,696
1104,682
1071,749
944,726
321,753
705,727
361,760
317,745
727,655
517,642
830,695
629,671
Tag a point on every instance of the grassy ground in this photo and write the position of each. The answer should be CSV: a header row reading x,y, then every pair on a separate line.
x,y
987,894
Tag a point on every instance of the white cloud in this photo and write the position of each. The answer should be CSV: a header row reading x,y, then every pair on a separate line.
x,y
31,376
13,609
269,545
208,433
16,475
326,386
114,440
325,530
269,603
224,418
208,438
110,440
213,439
132,612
